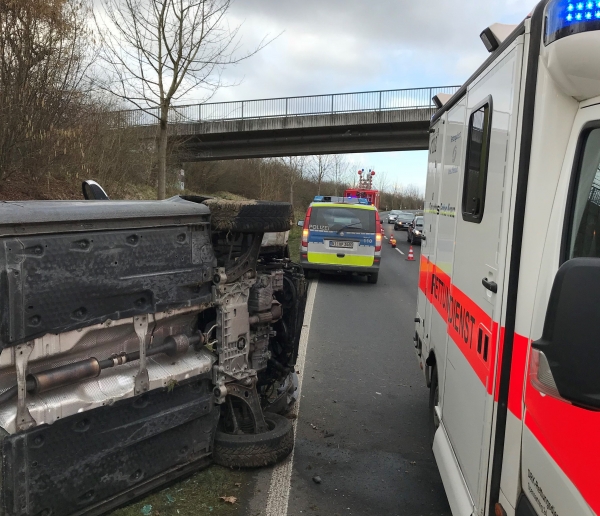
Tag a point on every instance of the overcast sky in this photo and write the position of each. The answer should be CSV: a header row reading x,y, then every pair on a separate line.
x,y
331,46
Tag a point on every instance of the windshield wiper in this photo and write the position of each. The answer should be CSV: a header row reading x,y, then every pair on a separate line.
x,y
348,226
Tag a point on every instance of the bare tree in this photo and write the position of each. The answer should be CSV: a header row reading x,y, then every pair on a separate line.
x,y
42,69
340,168
294,171
320,168
269,180
396,189
157,51
382,182
202,176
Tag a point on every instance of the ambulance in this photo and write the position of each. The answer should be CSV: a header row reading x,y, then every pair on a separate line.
x,y
341,235
508,316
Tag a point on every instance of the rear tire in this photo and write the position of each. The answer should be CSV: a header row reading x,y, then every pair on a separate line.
x,y
255,450
250,216
372,278
434,399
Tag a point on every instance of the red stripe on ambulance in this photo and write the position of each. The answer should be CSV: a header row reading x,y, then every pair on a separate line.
x,y
471,329
570,435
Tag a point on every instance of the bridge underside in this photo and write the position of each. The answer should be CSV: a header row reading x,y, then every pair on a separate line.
x,y
290,142
381,131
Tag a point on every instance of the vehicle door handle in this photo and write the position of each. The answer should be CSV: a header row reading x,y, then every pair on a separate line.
x,y
490,285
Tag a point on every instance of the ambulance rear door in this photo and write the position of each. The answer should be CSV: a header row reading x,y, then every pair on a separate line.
x,y
429,241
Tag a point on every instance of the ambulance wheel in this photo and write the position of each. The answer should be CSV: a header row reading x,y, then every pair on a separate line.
x,y
434,400
372,278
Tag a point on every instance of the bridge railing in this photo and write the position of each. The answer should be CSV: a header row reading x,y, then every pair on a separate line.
x,y
337,103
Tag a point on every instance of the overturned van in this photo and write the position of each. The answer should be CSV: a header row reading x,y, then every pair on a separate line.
x,y
141,340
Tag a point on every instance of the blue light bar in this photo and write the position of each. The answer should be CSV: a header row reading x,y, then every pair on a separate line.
x,y
568,17
340,200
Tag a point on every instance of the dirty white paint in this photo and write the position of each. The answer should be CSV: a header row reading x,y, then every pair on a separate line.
x,y
399,251
279,490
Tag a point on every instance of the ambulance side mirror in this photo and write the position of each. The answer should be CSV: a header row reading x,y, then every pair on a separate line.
x,y
569,350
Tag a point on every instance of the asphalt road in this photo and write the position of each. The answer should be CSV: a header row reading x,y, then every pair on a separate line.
x,y
362,424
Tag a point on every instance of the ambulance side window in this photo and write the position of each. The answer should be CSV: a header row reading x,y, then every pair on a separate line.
x,y
476,166
584,230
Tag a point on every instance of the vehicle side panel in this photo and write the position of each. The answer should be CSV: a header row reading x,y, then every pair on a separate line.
x,y
474,309
560,446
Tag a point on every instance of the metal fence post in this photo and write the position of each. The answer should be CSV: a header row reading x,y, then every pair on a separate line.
x,y
332,104
380,100
242,109
286,107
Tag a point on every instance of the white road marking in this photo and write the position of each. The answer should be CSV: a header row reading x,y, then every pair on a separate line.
x,y
279,490
385,238
399,251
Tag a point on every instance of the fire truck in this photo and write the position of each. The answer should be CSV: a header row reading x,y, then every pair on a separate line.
x,y
365,189
508,316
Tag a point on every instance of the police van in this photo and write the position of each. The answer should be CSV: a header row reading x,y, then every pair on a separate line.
x,y
508,317
341,234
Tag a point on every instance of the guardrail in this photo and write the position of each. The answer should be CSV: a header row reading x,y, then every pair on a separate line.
x,y
336,103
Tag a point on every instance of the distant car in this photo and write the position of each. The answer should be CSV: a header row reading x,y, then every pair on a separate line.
x,y
403,220
392,216
415,231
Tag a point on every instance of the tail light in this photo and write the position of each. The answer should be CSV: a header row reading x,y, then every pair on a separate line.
x,y
305,230
540,375
378,231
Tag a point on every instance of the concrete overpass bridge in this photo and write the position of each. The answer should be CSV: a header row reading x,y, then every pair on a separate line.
x,y
372,121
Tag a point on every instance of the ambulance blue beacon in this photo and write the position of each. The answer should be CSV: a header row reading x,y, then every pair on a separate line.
x,y
341,235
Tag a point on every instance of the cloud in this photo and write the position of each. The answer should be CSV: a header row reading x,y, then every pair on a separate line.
x,y
330,46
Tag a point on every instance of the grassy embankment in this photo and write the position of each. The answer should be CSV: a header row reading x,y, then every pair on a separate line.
x,y
197,495
294,243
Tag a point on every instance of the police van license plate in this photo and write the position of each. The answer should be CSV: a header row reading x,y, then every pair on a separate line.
x,y
341,245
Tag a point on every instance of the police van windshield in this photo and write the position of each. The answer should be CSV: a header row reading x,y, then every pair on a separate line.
x,y
350,220
585,225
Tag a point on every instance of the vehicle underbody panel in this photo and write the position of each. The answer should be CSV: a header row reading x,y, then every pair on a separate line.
x,y
131,334
86,460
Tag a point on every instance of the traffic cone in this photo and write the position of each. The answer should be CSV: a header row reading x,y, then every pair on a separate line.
x,y
393,240
411,256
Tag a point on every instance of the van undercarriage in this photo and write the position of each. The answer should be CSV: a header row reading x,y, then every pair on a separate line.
x,y
141,341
